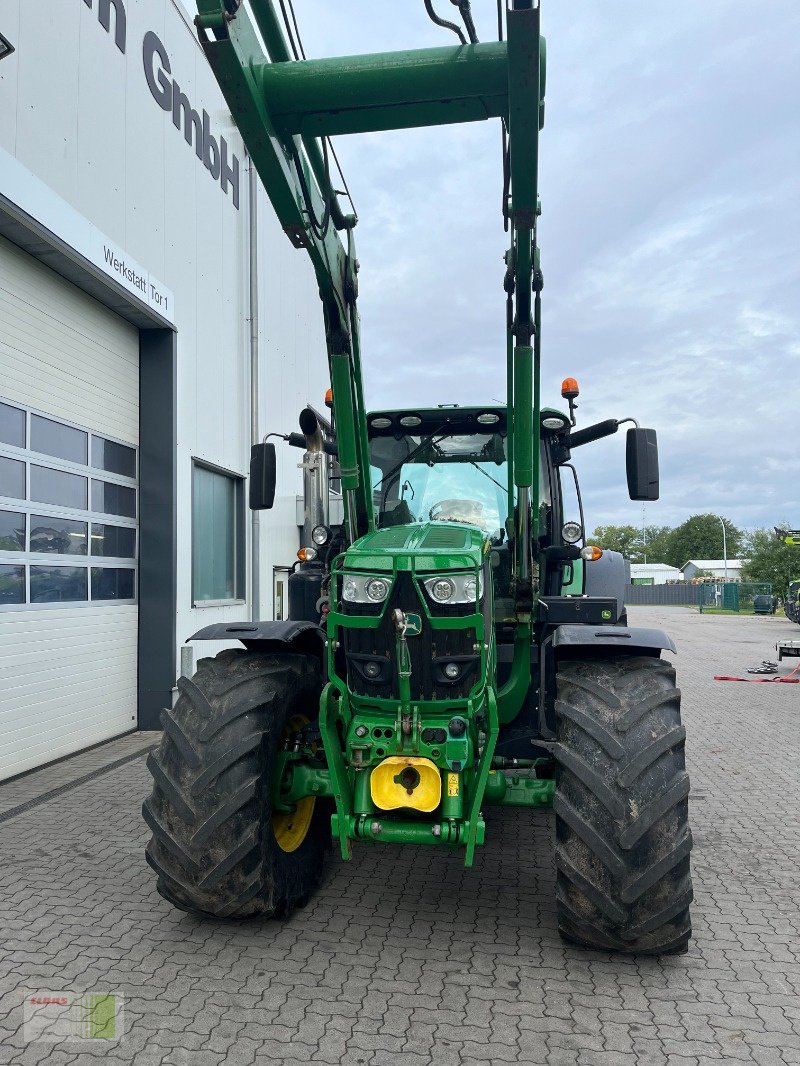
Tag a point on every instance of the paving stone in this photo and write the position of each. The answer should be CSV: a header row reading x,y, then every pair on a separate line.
x,y
445,965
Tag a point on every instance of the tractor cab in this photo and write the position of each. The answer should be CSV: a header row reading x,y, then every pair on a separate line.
x,y
450,465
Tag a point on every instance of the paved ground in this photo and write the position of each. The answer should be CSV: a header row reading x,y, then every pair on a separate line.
x,y
406,958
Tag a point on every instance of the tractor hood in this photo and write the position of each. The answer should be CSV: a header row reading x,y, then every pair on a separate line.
x,y
423,546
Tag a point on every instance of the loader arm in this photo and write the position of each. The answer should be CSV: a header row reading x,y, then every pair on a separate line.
x,y
282,106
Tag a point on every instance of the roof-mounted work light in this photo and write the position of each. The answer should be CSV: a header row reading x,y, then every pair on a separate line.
x,y
6,47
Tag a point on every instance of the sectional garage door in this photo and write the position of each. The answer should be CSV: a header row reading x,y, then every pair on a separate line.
x,y
69,424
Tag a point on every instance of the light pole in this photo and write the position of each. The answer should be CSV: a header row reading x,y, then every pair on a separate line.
x,y
724,546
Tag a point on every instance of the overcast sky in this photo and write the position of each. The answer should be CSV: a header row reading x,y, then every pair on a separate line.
x,y
670,185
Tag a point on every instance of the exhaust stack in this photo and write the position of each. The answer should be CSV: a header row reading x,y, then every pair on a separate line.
x,y
316,499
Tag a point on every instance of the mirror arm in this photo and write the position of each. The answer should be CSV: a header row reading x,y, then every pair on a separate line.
x,y
591,433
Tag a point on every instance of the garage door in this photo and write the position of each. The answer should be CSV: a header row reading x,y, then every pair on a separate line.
x,y
69,425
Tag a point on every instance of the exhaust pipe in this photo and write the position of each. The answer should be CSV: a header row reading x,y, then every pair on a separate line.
x,y
316,498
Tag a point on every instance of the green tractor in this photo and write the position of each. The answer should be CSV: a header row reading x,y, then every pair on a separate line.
x,y
791,605
454,644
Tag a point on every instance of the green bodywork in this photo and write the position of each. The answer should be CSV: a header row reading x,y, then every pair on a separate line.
x,y
282,107
791,606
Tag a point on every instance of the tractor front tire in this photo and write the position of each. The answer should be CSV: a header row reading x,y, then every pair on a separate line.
x,y
621,805
217,847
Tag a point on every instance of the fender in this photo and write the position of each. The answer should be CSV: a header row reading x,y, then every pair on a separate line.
x,y
304,637
622,639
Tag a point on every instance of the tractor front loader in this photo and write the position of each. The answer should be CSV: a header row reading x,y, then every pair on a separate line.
x,y
455,644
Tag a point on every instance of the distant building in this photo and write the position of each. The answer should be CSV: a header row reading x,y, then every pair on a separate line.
x,y
715,567
654,574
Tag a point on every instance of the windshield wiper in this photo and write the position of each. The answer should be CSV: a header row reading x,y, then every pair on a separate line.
x,y
387,478
480,471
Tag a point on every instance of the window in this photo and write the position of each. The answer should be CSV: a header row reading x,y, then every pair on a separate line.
x,y
108,498
112,583
12,426
57,545
58,488
12,584
217,535
58,584
62,536
56,439
12,531
116,458
12,478
118,542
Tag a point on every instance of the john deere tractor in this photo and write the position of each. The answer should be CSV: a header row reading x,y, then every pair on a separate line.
x,y
791,606
454,644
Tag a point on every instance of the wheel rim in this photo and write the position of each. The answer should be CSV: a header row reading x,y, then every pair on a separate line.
x,y
291,827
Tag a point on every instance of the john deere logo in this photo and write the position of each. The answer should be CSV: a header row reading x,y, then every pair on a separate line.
x,y
413,624
606,615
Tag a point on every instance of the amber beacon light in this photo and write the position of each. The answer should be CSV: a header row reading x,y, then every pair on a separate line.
x,y
570,389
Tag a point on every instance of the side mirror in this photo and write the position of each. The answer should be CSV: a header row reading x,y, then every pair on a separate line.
x,y
641,462
263,473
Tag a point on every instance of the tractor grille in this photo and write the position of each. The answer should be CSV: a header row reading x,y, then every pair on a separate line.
x,y
426,680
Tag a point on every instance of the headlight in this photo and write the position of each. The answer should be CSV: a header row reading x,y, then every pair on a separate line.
x,y
364,588
571,532
377,589
442,589
455,588
320,535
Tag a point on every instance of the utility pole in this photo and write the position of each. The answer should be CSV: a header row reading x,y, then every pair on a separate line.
x,y
724,546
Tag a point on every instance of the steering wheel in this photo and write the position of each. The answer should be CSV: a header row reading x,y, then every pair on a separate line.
x,y
469,512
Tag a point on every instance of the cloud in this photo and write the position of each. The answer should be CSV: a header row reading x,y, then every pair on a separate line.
x,y
670,181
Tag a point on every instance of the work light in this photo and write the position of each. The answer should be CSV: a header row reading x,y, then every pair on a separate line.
x,y
320,535
571,532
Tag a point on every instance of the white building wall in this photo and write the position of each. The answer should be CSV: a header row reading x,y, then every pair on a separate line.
x,y
658,573
79,114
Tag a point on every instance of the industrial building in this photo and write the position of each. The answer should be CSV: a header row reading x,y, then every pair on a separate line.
x,y
134,257
726,569
654,573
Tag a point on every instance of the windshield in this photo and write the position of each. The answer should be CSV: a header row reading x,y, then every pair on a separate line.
x,y
442,477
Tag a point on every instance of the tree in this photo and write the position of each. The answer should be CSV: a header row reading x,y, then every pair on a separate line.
x,y
656,543
625,539
650,548
771,560
700,537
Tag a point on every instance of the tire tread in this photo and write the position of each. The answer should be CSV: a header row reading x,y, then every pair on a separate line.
x,y
621,805
212,844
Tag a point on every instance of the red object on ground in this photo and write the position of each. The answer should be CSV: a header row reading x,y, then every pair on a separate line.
x,y
790,679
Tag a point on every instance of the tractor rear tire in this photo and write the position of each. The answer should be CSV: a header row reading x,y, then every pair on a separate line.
x,y
214,845
621,805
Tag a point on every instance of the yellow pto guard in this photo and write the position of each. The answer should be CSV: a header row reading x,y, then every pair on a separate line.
x,y
406,781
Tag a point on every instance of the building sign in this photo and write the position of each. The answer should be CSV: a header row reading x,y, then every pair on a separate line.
x,y
132,277
211,151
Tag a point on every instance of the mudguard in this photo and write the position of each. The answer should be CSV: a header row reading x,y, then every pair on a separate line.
x,y
268,636
627,640
608,576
